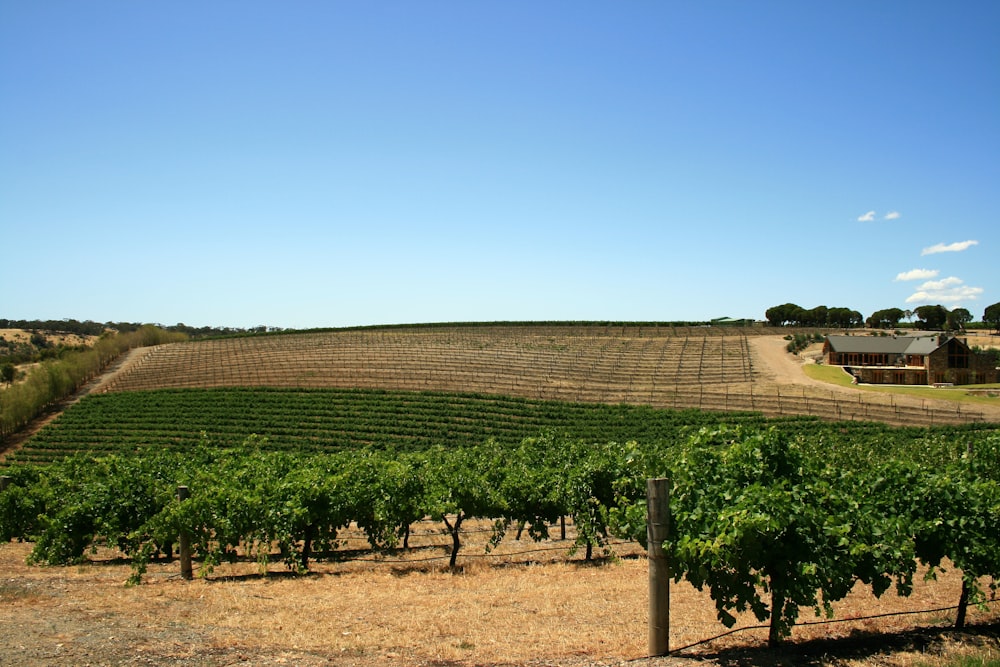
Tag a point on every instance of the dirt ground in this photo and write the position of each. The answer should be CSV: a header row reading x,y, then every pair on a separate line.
x,y
528,606
775,364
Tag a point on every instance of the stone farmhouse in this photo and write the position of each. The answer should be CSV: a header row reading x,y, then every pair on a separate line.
x,y
922,359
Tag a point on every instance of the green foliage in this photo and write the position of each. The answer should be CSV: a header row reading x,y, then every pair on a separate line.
x,y
800,341
931,318
770,523
991,316
304,420
755,514
956,514
790,314
957,319
887,318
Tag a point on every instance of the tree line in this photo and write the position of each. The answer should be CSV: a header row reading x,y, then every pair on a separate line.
x,y
793,315
91,328
928,318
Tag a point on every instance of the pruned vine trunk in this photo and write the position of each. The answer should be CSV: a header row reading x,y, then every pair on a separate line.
x,y
777,606
963,605
307,545
456,542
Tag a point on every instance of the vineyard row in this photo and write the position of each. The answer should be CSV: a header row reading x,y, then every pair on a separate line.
x,y
336,419
343,359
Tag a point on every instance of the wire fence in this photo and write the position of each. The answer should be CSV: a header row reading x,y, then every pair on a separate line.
x,y
853,619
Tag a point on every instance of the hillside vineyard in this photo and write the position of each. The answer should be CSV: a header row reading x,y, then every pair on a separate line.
x,y
665,367
558,364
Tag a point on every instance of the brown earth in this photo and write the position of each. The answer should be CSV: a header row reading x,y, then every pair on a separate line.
x,y
528,605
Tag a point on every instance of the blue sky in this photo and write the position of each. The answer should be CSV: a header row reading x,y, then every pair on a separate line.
x,y
311,164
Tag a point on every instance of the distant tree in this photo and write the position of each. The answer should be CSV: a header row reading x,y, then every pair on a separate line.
x,y
845,318
991,316
40,341
7,373
958,318
991,355
931,318
817,317
787,314
885,319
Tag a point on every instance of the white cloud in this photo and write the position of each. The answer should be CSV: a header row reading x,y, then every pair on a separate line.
x,y
892,215
938,285
867,217
949,291
918,274
951,247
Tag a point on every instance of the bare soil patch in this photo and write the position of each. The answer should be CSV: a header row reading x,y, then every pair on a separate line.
x,y
523,608
776,364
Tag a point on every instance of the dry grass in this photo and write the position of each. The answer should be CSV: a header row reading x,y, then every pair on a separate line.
x,y
521,607
56,338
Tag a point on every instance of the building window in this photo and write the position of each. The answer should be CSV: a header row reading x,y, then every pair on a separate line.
x,y
958,355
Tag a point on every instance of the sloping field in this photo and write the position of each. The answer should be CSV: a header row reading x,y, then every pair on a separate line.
x,y
663,367
551,363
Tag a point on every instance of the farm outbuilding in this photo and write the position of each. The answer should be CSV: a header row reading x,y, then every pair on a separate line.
x,y
919,359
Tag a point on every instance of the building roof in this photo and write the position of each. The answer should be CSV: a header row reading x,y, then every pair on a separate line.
x,y
926,344
909,344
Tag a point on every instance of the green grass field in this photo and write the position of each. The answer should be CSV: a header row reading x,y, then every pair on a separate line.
x,y
837,376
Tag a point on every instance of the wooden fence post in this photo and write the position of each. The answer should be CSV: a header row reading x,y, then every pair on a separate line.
x,y
4,482
184,539
657,530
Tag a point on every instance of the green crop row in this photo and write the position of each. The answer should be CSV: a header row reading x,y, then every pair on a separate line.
x,y
314,420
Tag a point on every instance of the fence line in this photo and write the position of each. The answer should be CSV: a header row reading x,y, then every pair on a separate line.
x,y
853,619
